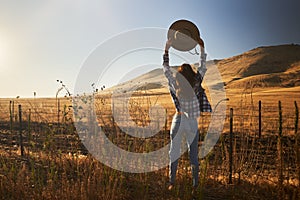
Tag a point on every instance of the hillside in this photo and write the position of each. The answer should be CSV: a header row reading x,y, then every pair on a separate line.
x,y
262,67
273,66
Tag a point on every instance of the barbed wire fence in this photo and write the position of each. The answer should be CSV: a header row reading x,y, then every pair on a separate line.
x,y
261,147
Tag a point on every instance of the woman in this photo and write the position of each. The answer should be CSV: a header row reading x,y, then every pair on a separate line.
x,y
189,99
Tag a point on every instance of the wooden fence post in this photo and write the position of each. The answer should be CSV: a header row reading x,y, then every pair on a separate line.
x,y
20,130
297,138
11,117
230,145
259,119
58,117
29,128
280,153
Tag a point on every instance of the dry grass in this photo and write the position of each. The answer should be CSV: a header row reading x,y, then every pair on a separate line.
x,y
57,166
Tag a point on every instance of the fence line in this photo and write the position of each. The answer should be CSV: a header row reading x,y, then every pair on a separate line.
x,y
251,144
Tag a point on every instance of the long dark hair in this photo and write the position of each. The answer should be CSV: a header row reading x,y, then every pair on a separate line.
x,y
185,79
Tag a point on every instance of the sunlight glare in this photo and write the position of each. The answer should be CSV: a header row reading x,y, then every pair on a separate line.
x,y
3,51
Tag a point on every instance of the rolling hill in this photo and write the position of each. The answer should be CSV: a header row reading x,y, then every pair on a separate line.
x,y
273,66
262,67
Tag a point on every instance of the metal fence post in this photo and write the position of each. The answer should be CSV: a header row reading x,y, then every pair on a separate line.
x,y
259,119
20,130
230,145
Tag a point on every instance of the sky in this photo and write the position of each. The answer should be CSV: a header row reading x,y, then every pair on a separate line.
x,y
45,41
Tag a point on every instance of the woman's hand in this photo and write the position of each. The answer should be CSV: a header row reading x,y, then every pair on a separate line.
x,y
168,45
200,42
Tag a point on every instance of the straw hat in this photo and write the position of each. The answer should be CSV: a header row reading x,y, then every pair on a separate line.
x,y
184,35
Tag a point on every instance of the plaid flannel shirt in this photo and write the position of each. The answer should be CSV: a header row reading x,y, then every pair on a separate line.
x,y
192,108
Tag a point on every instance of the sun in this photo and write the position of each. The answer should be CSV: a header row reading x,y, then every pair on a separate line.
x,y
1,52
3,55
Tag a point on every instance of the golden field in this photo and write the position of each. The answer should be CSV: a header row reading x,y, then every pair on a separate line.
x,y
56,165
